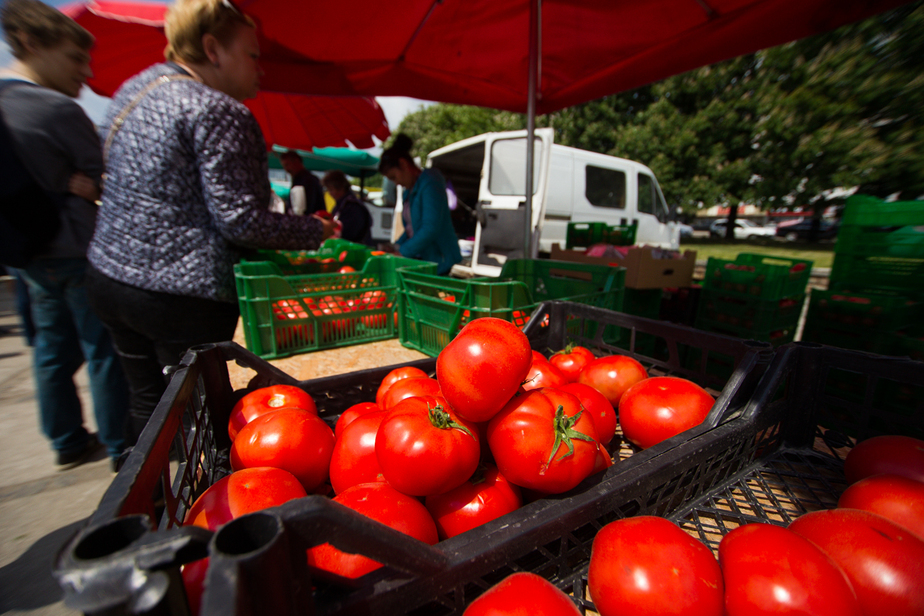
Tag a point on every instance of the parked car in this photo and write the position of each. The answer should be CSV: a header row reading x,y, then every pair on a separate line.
x,y
800,229
744,229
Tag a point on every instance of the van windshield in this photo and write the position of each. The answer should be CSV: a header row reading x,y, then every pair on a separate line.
x,y
650,200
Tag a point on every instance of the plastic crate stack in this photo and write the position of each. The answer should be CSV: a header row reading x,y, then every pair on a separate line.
x,y
333,254
285,315
584,234
434,308
756,297
876,293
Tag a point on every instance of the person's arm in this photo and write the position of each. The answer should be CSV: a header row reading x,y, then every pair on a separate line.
x,y
84,186
75,133
433,197
235,182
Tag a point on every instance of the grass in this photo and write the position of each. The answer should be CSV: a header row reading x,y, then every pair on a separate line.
x,y
821,254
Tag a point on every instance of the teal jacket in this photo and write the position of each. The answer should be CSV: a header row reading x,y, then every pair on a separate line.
x,y
433,238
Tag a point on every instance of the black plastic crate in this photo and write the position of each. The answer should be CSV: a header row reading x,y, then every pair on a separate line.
x,y
257,561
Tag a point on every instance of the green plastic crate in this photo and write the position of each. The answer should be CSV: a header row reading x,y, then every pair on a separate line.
x,y
908,342
749,313
583,234
287,315
642,303
294,262
434,308
865,210
865,311
758,276
880,257
859,321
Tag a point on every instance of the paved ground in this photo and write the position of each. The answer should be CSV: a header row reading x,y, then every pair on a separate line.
x,y
40,507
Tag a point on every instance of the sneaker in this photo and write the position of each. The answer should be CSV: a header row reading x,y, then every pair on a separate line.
x,y
74,459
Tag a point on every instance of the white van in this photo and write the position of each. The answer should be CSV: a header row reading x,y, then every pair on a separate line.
x,y
488,175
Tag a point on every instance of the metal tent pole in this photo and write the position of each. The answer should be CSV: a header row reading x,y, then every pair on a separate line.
x,y
535,10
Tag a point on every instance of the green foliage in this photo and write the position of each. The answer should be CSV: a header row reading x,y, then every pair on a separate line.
x,y
779,126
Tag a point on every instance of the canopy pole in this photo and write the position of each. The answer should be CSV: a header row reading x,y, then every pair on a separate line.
x,y
534,13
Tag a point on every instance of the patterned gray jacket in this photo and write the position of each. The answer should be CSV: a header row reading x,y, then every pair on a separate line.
x,y
186,188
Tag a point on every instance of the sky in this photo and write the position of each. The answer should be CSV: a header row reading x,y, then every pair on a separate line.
x,y
394,107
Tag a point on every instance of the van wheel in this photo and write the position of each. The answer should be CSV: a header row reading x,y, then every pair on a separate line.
x,y
792,236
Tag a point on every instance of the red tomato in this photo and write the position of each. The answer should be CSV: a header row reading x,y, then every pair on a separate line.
x,y
883,561
612,375
772,570
648,566
382,503
393,377
237,494
604,459
543,440
266,400
886,455
893,497
357,410
660,407
598,407
537,356
522,594
346,269
194,582
353,461
481,369
290,439
485,496
543,374
409,388
424,448
571,360
244,491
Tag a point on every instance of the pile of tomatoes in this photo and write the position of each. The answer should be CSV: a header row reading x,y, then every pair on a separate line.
x,y
498,425
865,557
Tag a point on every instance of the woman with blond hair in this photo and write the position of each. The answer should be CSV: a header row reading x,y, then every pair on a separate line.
x,y
187,187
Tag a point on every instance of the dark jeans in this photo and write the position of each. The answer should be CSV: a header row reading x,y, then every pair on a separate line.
x,y
24,307
152,330
66,333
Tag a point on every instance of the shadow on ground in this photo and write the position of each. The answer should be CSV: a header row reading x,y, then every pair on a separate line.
x,y
27,582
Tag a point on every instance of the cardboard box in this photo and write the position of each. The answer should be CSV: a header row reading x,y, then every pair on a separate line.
x,y
643,270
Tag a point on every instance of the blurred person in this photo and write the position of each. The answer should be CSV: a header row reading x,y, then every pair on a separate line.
x,y
187,189
428,232
349,211
306,195
58,144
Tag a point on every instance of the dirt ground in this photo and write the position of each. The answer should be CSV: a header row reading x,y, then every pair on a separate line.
x,y
333,361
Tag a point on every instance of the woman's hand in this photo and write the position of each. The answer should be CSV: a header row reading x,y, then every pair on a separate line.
x,y
84,186
329,227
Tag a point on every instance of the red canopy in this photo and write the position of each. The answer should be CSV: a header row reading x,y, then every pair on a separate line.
x,y
476,51
129,38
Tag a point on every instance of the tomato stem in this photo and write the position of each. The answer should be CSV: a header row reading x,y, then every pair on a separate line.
x,y
444,421
565,432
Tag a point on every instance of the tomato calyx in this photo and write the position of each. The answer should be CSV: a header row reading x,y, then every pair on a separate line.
x,y
444,421
569,348
565,432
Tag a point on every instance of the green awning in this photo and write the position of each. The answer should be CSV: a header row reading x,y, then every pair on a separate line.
x,y
355,163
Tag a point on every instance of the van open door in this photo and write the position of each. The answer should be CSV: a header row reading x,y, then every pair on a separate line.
x,y
501,206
